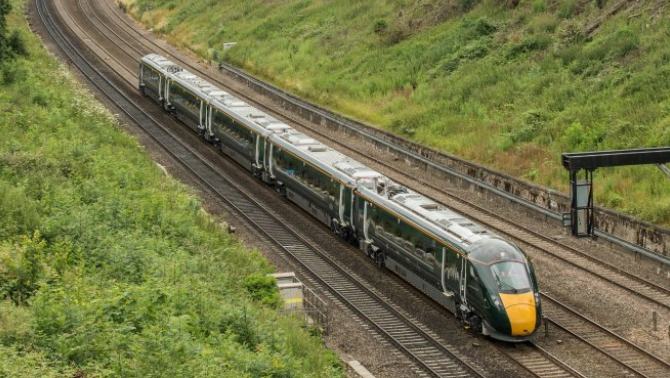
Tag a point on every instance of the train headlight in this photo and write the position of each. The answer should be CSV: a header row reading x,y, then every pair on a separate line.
x,y
496,301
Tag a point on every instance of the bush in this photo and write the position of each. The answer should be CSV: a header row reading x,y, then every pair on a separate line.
x,y
477,28
380,26
16,44
580,138
263,289
570,32
21,269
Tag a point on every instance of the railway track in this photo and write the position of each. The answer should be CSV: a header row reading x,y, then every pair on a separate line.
x,y
637,361
435,357
532,358
539,362
523,236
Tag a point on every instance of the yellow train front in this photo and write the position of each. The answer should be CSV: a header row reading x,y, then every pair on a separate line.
x,y
502,298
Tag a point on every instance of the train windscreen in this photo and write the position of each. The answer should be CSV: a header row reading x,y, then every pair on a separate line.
x,y
511,276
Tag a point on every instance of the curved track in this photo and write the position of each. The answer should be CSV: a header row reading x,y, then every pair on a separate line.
x,y
435,357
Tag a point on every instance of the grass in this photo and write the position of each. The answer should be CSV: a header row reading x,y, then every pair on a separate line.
x,y
108,267
481,79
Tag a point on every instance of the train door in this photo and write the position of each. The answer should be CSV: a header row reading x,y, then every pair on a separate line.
x,y
259,153
165,84
202,116
362,212
267,161
209,134
475,290
452,270
345,205
161,80
463,281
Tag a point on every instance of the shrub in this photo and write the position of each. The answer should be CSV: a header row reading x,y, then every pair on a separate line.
x,y
580,138
380,26
263,289
570,32
477,28
22,269
16,44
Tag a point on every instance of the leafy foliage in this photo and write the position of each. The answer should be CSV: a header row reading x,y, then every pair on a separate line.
x,y
109,268
263,289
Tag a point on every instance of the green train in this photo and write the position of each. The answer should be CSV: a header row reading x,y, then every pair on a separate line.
x,y
485,280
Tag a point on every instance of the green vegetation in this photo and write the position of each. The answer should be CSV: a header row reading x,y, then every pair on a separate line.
x,y
108,268
507,83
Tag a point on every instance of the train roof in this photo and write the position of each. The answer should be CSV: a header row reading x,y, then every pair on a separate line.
x,y
254,118
334,162
435,217
161,63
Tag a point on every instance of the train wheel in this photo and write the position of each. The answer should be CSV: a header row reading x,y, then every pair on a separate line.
x,y
476,324
335,227
379,259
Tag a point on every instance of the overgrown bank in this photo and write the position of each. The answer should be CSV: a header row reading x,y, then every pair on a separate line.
x,y
510,84
109,268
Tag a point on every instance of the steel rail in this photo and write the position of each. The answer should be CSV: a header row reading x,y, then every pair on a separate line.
x,y
355,294
617,348
539,362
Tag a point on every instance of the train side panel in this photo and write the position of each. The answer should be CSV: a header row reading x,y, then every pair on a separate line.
x,y
187,106
152,82
236,140
305,185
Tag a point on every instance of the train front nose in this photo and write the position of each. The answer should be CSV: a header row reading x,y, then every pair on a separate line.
x,y
521,312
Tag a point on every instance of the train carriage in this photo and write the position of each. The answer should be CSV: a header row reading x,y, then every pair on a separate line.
x,y
485,280
461,265
303,170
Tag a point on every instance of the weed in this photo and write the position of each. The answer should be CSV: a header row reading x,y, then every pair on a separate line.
x,y
539,6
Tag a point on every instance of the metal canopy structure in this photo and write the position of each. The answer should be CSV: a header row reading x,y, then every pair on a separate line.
x,y
600,159
581,216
